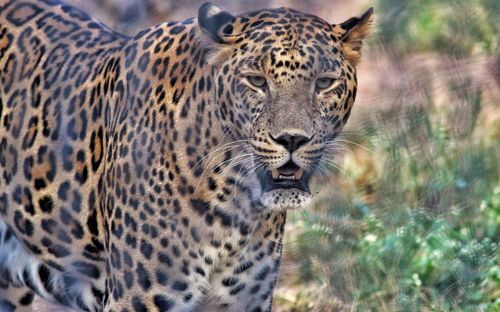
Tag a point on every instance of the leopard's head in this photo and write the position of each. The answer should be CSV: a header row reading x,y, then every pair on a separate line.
x,y
285,84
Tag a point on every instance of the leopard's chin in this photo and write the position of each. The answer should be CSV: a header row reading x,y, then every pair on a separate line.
x,y
286,199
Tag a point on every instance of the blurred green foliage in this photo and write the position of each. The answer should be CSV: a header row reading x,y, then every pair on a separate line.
x,y
456,27
414,224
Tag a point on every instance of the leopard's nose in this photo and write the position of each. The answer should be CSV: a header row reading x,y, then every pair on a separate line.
x,y
291,142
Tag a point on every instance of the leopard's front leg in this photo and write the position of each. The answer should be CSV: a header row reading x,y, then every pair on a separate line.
x,y
246,282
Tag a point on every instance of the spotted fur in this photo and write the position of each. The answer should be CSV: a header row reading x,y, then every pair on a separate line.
x,y
135,172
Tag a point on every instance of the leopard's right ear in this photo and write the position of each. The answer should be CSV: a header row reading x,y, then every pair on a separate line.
x,y
353,32
216,22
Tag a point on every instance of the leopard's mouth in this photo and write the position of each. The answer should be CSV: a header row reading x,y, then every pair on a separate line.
x,y
288,176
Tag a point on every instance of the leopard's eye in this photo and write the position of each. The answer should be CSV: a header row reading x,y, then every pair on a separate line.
x,y
257,81
324,83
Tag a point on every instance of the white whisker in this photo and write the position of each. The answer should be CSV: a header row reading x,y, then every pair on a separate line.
x,y
356,144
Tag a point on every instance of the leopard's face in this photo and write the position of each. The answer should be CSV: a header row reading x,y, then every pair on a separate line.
x,y
285,85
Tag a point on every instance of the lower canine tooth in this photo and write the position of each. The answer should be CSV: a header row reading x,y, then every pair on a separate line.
x,y
275,173
299,174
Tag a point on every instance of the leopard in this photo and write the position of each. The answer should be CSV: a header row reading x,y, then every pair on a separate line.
x,y
154,172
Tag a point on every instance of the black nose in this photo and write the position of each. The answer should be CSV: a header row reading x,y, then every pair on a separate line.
x,y
291,142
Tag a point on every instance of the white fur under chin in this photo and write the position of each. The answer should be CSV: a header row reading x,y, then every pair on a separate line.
x,y
284,199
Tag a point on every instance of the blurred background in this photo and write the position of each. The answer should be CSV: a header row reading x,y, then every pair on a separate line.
x,y
407,218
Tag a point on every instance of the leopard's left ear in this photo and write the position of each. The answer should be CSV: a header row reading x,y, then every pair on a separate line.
x,y
352,32
215,22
